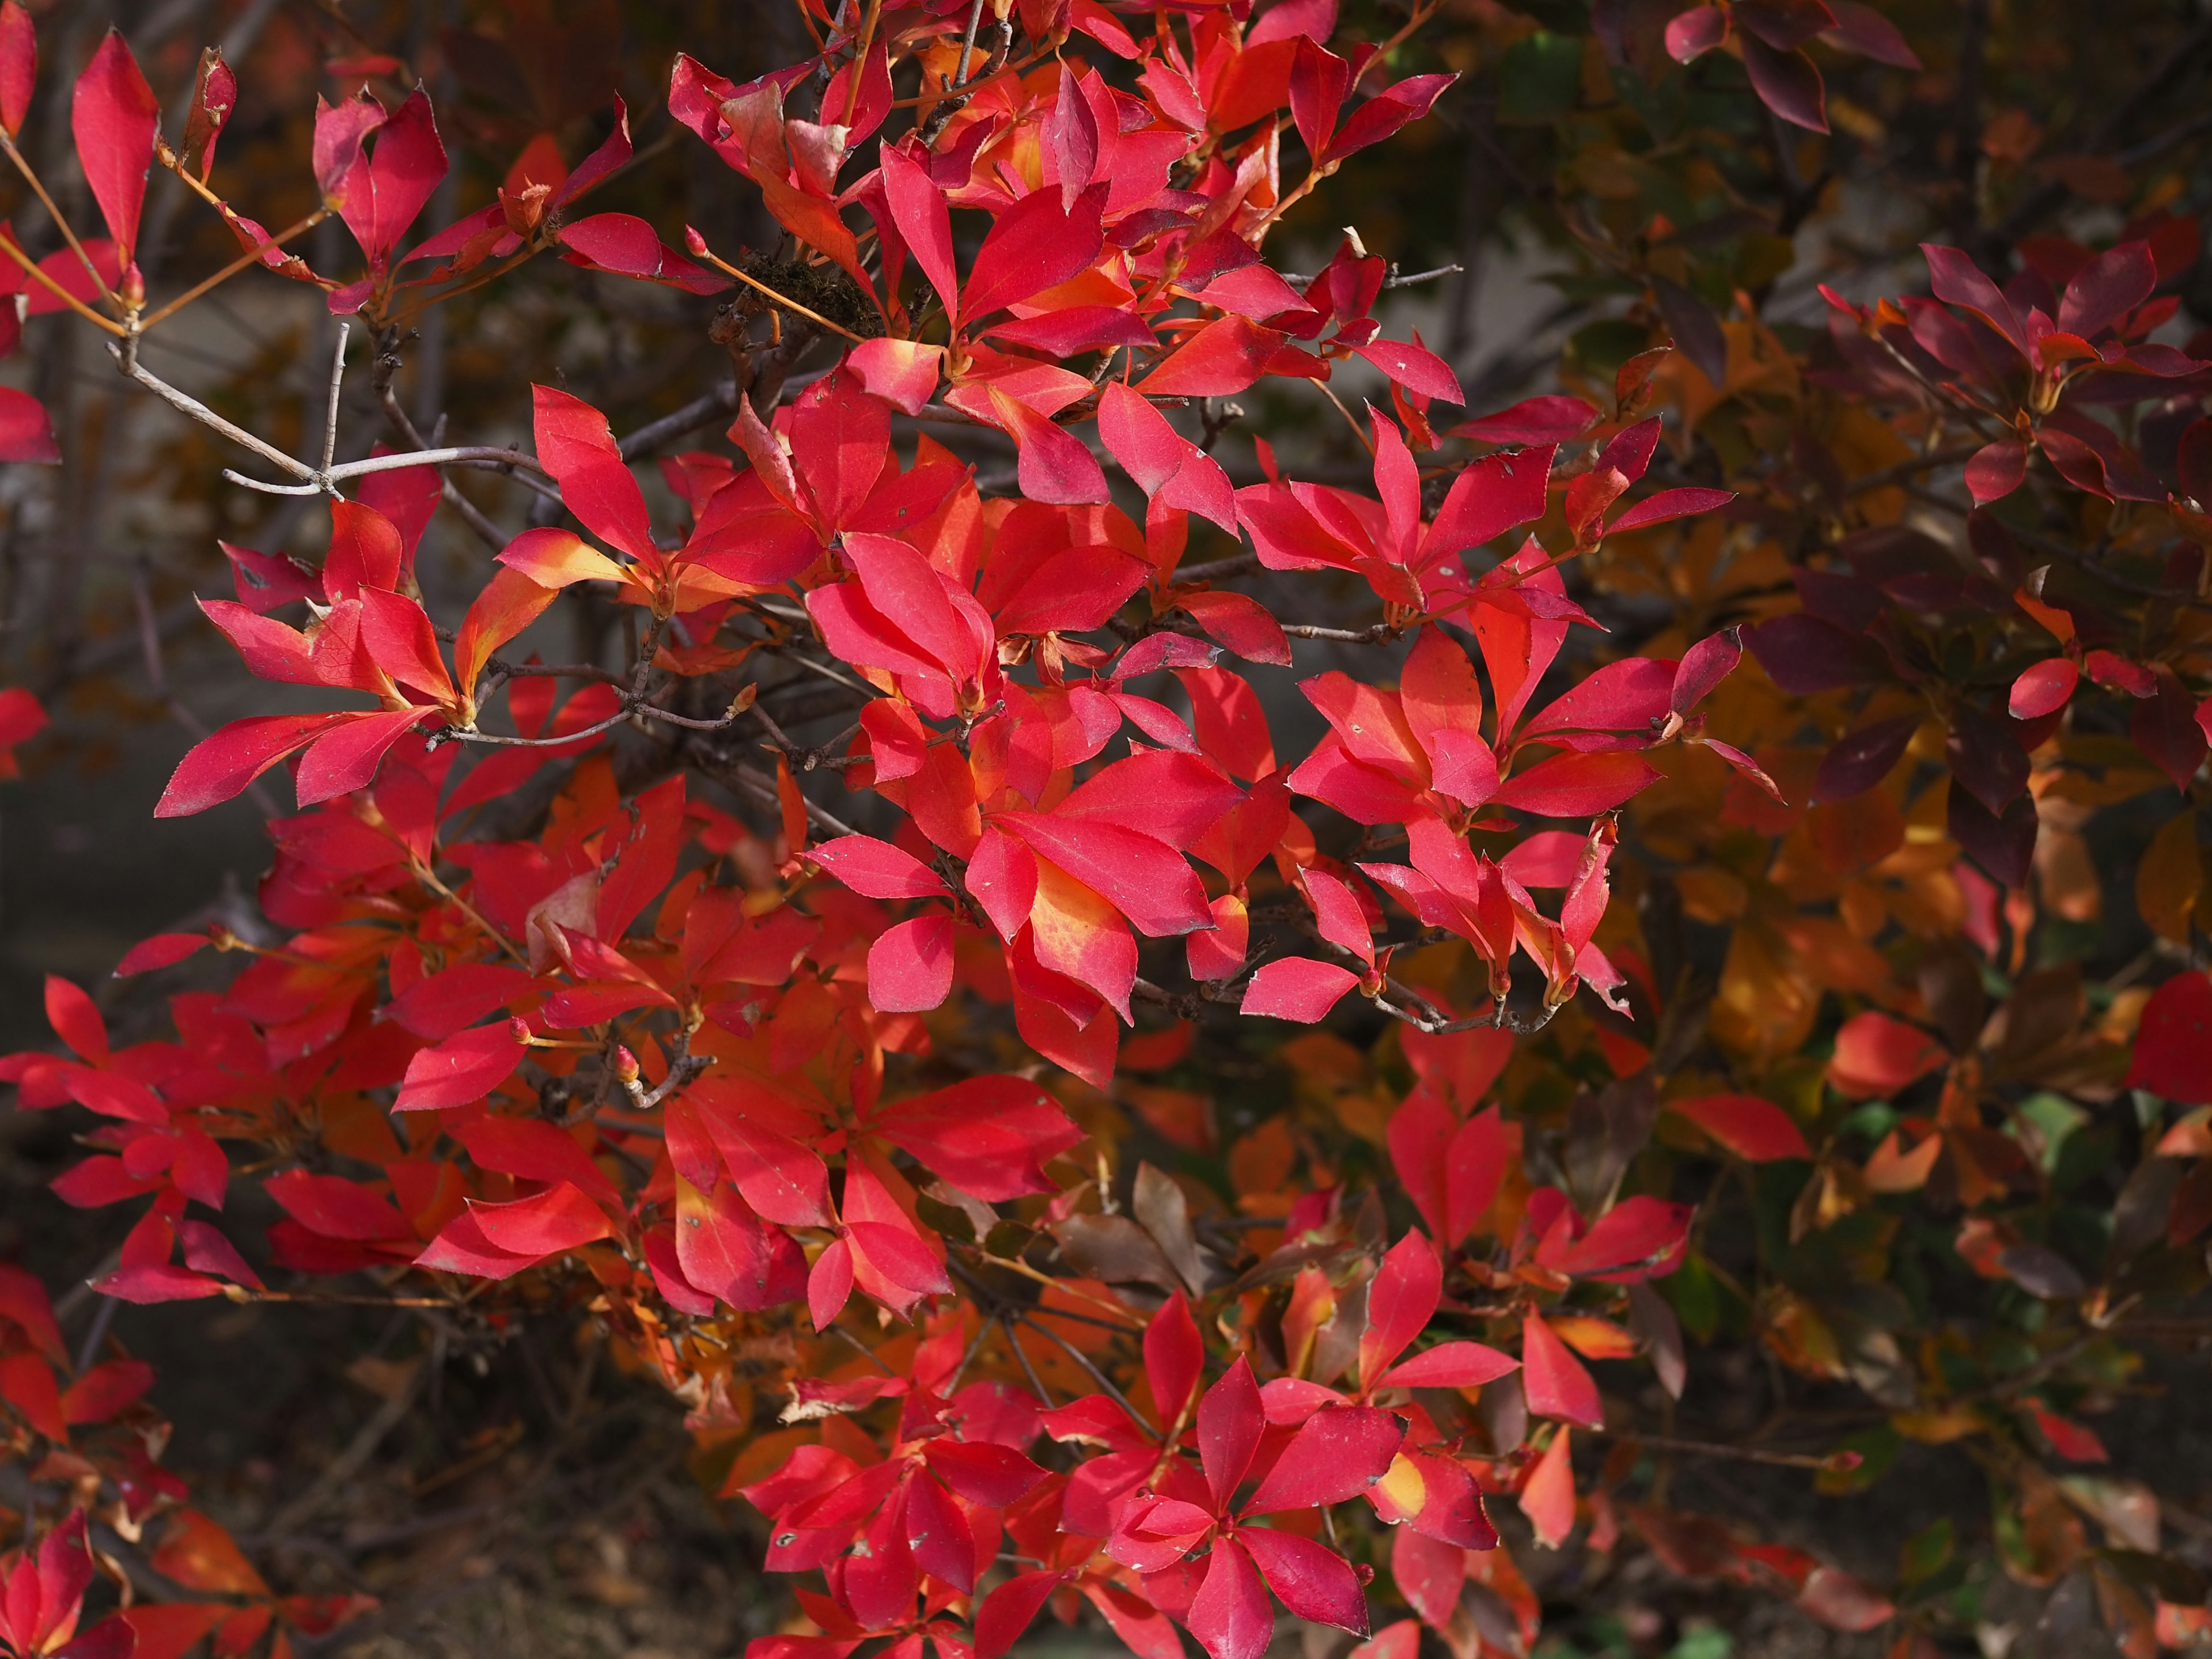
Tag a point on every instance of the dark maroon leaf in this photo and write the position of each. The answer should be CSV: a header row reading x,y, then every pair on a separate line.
x,y
2164,727
1785,25
1864,30
1863,758
2003,847
1696,332
1802,653
1986,756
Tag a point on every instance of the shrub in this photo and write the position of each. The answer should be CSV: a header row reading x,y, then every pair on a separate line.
x,y
867,1088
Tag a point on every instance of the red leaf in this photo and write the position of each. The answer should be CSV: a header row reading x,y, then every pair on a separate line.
x,y
1639,1237
378,197
161,951
27,432
2164,727
1035,245
1876,1055
1309,1578
1957,281
336,1207
77,1021
1550,419
1755,1130
222,766
1225,357
1415,367
877,869
1384,113
1400,1300
2044,688
1230,1420
544,1223
1429,1574
1450,1365
910,966
2173,1054
19,66
1420,1132
1668,505
463,1069
115,118
989,1136
1576,785
627,245
1051,464
1703,666
1553,1379
1337,1453
1166,465
982,1472
344,759
1010,1608
26,1382
1174,1358
1230,1614
576,446
1297,987
536,1150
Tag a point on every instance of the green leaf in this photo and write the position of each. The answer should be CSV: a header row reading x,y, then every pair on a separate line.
x,y
1925,1552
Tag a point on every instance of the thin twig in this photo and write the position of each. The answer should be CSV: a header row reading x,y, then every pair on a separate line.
x,y
337,386
125,353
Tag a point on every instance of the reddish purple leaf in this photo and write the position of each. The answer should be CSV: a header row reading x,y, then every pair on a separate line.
x,y
2106,289
1693,34
1786,82
1861,29
1997,469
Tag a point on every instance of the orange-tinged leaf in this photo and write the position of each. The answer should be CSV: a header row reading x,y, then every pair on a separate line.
x,y
1755,1130
200,1555
1548,1498
554,558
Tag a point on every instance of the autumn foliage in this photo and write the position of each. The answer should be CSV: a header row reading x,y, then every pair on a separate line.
x,y
1670,939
